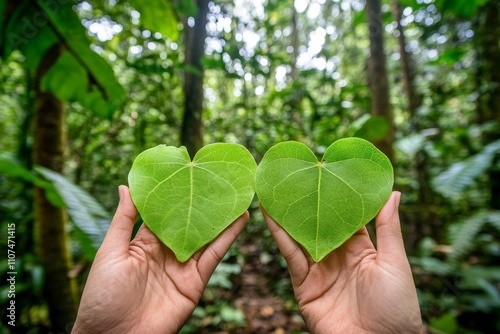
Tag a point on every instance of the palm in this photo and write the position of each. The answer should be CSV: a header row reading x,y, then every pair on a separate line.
x,y
356,288
139,285
342,290
151,271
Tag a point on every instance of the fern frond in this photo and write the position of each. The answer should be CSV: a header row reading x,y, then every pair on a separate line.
x,y
495,221
462,239
85,212
463,174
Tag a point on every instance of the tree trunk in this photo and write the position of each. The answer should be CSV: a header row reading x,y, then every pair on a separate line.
x,y
192,125
295,127
414,100
377,74
489,78
59,287
425,220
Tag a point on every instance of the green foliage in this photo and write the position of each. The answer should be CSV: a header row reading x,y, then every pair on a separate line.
x,y
32,40
66,79
467,274
209,192
322,204
412,144
462,174
446,323
222,275
16,207
218,315
450,57
9,166
257,93
465,9
218,312
91,81
455,288
371,128
465,234
104,88
158,16
90,219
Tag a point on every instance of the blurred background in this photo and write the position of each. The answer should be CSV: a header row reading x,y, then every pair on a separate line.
x,y
85,86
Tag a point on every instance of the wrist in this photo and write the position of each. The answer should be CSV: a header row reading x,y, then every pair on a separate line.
x,y
92,325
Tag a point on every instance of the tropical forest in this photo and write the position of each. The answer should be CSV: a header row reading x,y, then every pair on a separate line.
x,y
90,88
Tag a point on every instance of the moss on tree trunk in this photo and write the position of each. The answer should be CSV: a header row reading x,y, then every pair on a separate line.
x,y
59,287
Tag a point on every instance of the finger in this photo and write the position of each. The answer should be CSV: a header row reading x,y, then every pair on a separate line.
x,y
120,229
297,260
209,258
389,238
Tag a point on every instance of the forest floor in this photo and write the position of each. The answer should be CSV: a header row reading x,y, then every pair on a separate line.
x,y
265,310
261,291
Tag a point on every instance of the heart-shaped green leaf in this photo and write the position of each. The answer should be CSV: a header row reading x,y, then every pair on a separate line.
x,y
323,203
185,203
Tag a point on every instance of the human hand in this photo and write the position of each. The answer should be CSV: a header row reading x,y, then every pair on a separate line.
x,y
356,288
139,286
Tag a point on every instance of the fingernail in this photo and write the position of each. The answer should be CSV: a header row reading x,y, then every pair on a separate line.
x,y
120,192
398,198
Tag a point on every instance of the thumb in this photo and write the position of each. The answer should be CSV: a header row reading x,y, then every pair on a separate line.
x,y
297,261
390,243
120,230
